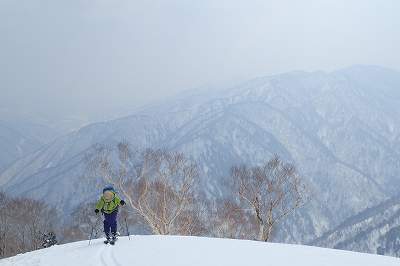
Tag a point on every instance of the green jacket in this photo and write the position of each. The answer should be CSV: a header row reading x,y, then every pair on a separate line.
x,y
108,207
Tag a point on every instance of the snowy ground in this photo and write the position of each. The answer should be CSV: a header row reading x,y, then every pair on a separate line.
x,y
191,251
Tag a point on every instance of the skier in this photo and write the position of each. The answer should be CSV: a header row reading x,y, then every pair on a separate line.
x,y
108,205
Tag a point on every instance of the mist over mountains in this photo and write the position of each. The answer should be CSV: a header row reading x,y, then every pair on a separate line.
x,y
22,137
341,129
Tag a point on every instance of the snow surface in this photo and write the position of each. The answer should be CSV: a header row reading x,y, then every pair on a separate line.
x,y
194,251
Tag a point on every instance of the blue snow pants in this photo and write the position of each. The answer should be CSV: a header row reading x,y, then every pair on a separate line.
x,y
110,223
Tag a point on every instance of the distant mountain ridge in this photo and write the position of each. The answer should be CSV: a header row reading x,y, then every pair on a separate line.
x,y
20,138
375,230
341,129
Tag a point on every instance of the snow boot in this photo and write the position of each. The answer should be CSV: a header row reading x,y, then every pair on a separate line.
x,y
108,240
113,239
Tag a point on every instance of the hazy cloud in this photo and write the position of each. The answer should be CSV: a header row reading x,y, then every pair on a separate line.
x,y
85,56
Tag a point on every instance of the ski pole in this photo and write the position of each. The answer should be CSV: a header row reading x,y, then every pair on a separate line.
x,y
93,226
91,235
127,229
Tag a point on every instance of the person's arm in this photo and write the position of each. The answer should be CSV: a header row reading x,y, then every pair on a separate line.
x,y
119,201
99,205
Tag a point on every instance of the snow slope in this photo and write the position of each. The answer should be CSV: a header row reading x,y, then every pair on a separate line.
x,y
185,251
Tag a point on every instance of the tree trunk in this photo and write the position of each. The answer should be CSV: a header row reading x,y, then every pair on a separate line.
x,y
268,234
261,232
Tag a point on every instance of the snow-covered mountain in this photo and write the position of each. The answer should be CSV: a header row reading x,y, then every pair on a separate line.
x,y
19,138
176,251
342,130
375,230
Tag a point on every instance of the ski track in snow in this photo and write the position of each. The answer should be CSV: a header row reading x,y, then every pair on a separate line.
x,y
103,258
116,263
107,256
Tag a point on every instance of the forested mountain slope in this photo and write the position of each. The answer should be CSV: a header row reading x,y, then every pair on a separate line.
x,y
340,129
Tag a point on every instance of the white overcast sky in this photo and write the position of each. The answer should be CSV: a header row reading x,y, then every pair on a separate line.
x,y
86,56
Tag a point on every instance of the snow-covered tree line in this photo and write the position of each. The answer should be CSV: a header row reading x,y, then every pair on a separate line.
x,y
163,193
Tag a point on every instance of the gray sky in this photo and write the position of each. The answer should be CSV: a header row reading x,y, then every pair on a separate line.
x,y
88,56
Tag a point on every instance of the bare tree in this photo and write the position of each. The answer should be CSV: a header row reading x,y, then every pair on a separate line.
x,y
4,224
269,193
157,185
227,219
31,219
23,222
190,221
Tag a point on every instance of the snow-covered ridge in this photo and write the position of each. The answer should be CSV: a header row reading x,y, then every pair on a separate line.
x,y
375,230
192,251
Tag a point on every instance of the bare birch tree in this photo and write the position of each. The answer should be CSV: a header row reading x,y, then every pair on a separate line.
x,y
269,193
157,185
